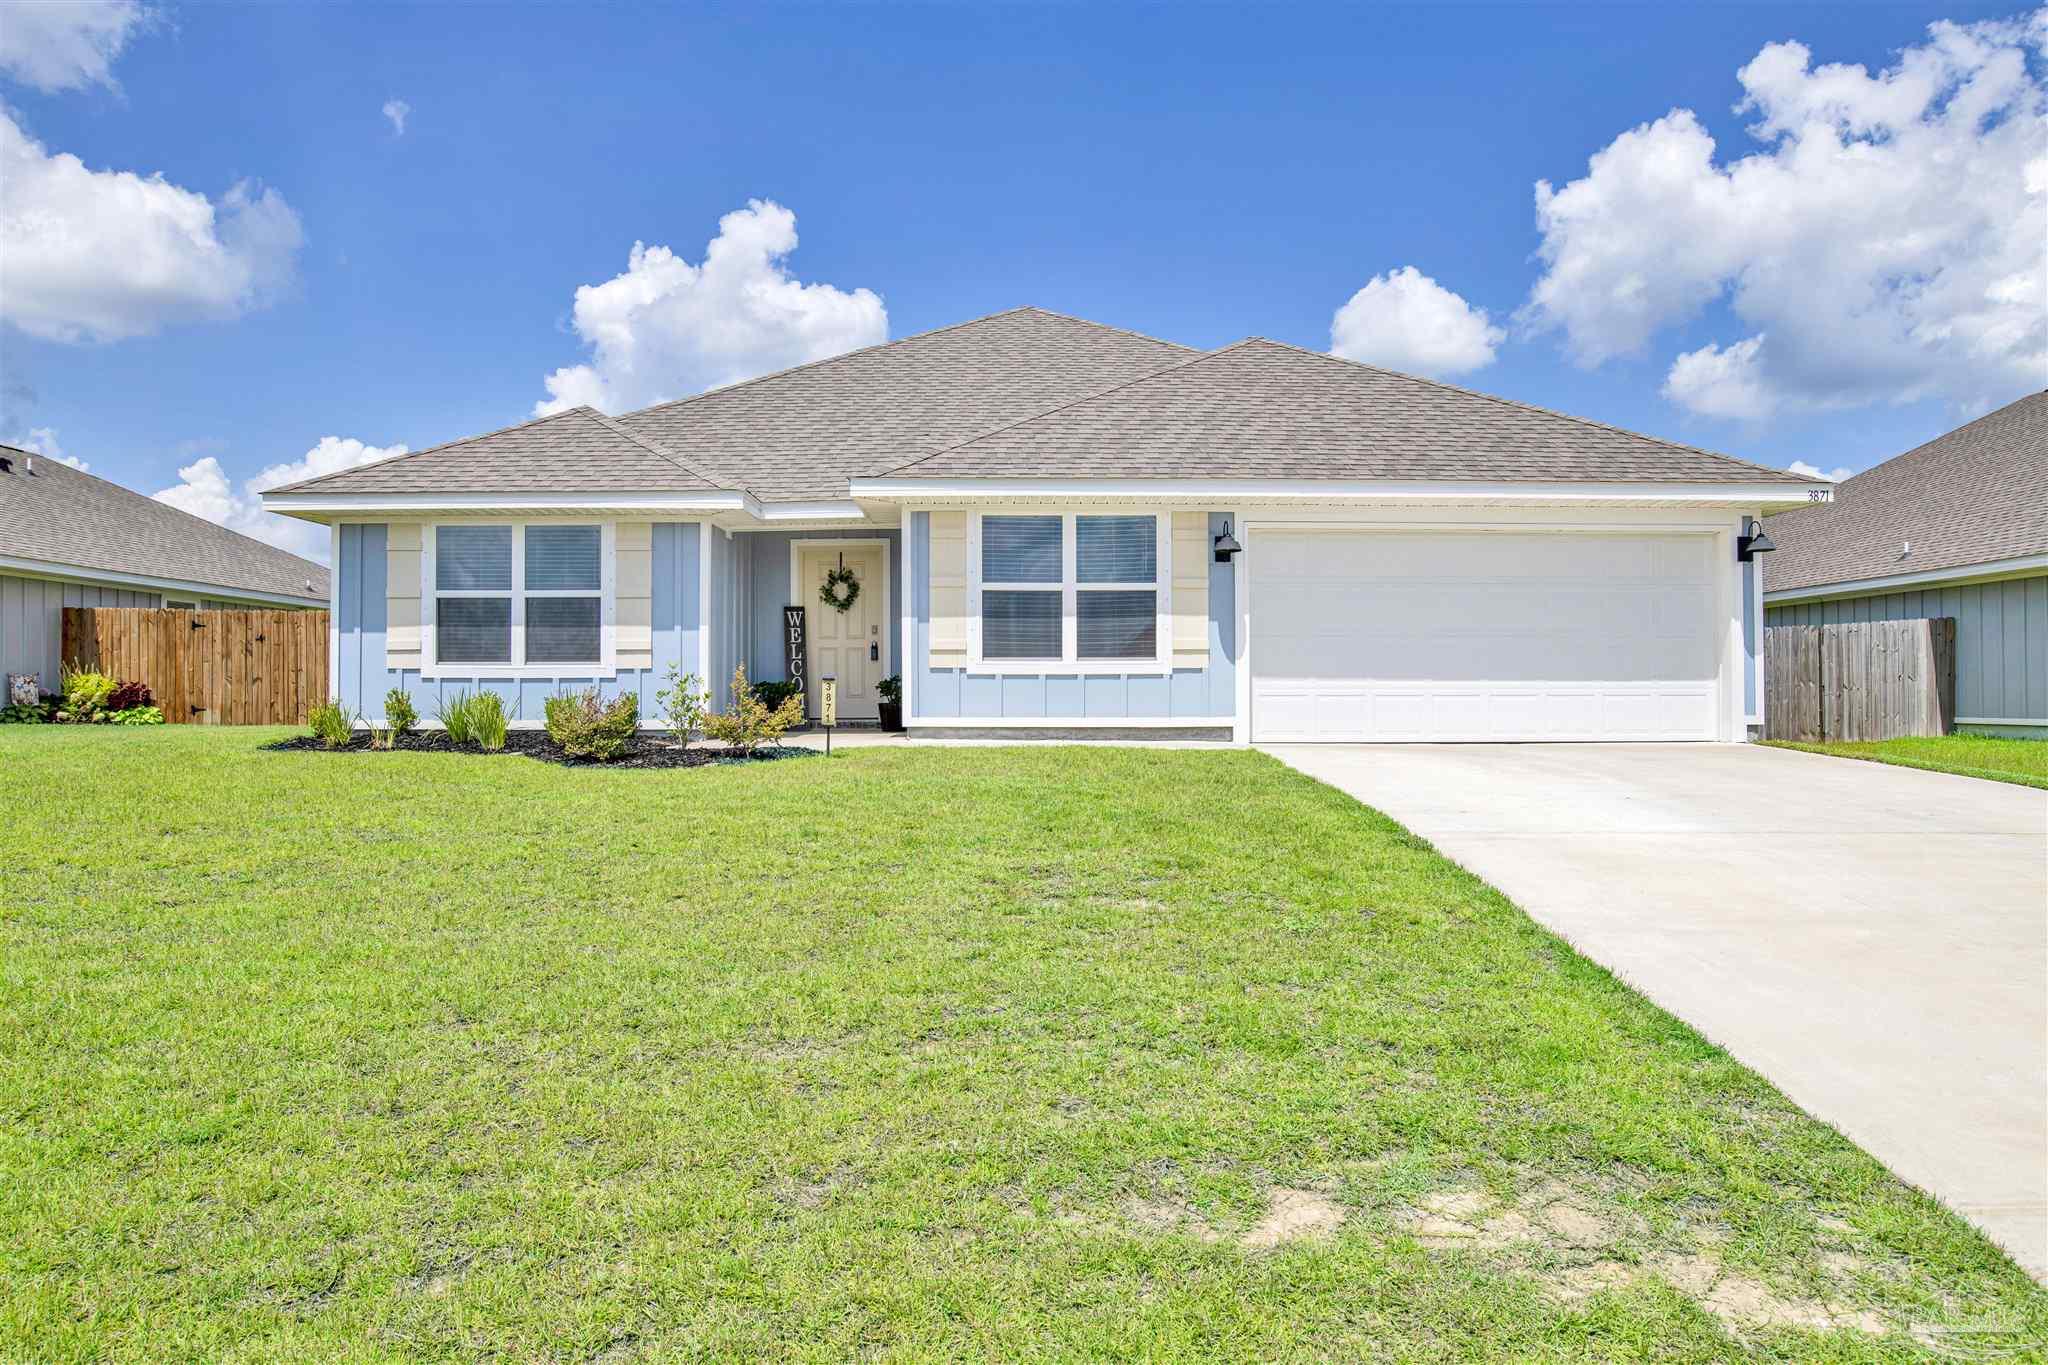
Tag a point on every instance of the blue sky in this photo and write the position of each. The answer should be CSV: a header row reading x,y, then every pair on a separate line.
x,y
1199,173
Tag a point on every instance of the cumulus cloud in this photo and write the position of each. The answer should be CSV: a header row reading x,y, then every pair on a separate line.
x,y
1889,242
100,255
666,328
43,441
396,110
67,44
1405,320
204,490
1805,470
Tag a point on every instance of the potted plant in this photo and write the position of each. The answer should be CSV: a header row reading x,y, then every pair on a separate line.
x,y
889,703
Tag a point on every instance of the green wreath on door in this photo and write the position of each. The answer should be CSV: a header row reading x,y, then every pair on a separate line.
x,y
841,577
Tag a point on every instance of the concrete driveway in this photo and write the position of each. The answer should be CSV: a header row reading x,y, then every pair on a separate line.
x,y
1872,939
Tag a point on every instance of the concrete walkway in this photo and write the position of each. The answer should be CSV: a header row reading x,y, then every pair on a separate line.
x,y
1872,939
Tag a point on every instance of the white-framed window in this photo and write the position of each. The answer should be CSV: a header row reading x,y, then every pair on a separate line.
x,y
528,599
1068,591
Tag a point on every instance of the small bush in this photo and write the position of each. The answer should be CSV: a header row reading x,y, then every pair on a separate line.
x,y
773,694
399,714
85,693
890,689
684,702
19,714
136,715
332,726
130,696
750,723
457,719
487,722
588,727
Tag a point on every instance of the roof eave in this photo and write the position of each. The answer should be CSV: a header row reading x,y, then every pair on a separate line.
x,y
1760,496
1985,571
86,573
317,506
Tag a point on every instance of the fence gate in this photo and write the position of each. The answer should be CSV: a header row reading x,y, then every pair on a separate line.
x,y
264,667
1861,680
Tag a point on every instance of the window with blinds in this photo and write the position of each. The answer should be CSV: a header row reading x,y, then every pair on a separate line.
x,y
519,595
1070,588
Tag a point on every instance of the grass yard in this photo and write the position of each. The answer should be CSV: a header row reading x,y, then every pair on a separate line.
x,y
908,1054
2024,761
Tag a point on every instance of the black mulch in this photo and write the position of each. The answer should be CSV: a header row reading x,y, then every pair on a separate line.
x,y
644,752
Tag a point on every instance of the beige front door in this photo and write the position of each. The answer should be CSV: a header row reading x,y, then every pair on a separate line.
x,y
846,644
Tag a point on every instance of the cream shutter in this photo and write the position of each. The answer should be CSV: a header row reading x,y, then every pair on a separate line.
x,y
1190,601
948,589
402,595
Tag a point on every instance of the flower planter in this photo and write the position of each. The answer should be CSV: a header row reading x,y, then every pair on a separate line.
x,y
889,715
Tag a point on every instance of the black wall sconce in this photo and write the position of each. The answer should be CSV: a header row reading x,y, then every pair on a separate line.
x,y
1226,545
1753,541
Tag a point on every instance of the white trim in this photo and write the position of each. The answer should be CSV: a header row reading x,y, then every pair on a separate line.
x,y
1323,490
1241,599
1989,571
796,551
334,612
914,661
517,669
709,685
2035,721
825,510
1069,663
79,573
305,504
1071,723
1756,661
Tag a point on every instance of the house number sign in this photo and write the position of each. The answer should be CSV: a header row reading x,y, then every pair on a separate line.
x,y
793,644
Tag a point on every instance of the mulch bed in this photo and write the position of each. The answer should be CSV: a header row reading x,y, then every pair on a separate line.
x,y
644,752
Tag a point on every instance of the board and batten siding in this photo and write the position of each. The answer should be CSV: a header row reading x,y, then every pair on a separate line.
x,y
767,589
32,621
377,623
1202,685
2001,640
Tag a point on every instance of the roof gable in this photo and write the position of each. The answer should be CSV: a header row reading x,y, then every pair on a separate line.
x,y
1974,496
1262,409
60,515
580,450
801,434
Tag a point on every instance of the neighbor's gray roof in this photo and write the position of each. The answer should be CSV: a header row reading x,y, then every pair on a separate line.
x,y
1261,409
1976,495
580,450
802,433
63,516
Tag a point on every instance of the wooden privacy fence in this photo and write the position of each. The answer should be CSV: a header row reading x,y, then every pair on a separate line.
x,y
208,667
1861,680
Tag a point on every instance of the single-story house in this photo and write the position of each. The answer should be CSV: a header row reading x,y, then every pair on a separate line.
x,y
1957,527
1046,525
71,539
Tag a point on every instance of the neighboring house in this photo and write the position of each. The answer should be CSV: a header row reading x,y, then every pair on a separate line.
x,y
1040,513
68,539
1957,527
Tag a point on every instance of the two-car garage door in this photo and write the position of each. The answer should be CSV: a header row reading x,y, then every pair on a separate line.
x,y
1483,635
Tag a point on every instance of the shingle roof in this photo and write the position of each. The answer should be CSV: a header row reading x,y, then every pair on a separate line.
x,y
1976,495
61,515
580,450
802,433
1261,409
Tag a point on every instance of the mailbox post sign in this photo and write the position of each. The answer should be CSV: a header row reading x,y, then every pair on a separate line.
x,y
828,706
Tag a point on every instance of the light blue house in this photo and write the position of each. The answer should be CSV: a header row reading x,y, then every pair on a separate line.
x,y
1047,526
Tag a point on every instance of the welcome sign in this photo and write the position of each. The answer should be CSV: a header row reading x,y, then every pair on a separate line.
x,y
793,646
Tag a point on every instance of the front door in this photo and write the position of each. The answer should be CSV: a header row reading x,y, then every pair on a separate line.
x,y
846,644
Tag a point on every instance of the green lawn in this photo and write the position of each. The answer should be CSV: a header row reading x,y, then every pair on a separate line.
x,y
2024,761
906,1054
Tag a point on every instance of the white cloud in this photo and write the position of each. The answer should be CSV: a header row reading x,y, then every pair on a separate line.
x,y
1888,243
204,490
101,255
43,441
67,44
396,110
666,329
1805,470
1405,320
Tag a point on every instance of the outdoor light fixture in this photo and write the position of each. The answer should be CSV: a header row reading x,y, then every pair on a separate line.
x,y
1753,542
1226,545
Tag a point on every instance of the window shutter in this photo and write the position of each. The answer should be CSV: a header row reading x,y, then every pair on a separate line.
x,y
1190,604
948,587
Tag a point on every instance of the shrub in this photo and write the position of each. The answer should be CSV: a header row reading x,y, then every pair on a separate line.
x,y
332,726
487,723
85,693
457,719
18,714
588,727
399,714
130,696
750,723
773,694
684,702
890,689
136,715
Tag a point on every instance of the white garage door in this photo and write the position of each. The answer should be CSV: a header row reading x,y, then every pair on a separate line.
x,y
1482,635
